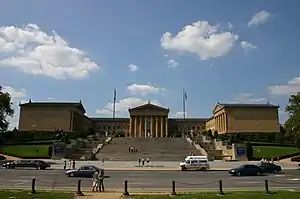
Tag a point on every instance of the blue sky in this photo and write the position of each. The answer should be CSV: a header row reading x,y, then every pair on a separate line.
x,y
227,51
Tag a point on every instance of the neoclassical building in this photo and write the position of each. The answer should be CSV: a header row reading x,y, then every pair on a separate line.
x,y
148,120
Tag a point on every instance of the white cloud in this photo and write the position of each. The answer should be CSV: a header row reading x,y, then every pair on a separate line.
x,y
180,115
17,96
260,18
201,38
248,46
51,98
292,87
132,67
247,98
123,105
172,64
230,25
33,51
144,89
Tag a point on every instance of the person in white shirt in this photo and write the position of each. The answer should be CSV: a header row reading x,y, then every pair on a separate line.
x,y
95,181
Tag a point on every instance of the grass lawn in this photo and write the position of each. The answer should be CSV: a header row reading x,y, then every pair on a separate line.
x,y
18,194
273,151
26,150
233,195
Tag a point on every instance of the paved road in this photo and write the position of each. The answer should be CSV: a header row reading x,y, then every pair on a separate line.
x,y
149,180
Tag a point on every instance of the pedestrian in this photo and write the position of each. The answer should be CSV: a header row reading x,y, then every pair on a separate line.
x,y
70,164
102,161
65,164
148,161
74,164
101,180
143,162
95,181
139,161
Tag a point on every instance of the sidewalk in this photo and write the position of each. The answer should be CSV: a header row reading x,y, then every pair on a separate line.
x,y
105,195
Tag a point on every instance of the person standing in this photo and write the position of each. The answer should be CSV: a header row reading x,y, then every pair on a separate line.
x,y
74,164
70,164
102,161
101,180
65,164
95,181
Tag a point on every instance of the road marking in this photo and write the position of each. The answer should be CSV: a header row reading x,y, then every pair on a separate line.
x,y
295,179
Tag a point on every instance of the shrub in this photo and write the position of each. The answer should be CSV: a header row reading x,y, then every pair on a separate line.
x,y
297,142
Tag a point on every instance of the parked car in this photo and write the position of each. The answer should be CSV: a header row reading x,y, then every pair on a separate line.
x,y
246,170
84,171
269,167
2,157
38,164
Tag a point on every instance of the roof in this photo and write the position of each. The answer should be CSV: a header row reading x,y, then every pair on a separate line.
x,y
54,104
108,119
148,106
245,106
189,119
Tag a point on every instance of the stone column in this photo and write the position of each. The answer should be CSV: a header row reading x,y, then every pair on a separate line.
x,y
156,126
130,127
161,126
145,127
166,134
226,127
135,126
140,126
151,127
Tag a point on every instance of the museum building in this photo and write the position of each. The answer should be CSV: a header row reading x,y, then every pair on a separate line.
x,y
148,120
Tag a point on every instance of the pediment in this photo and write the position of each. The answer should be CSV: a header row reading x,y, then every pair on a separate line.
x,y
148,107
217,108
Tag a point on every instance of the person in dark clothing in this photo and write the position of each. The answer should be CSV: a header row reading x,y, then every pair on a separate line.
x,y
101,180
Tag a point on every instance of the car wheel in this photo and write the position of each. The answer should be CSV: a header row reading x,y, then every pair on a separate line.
x,y
183,168
38,168
258,173
71,175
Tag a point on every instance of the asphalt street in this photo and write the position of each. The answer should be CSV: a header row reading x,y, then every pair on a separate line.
x,y
149,180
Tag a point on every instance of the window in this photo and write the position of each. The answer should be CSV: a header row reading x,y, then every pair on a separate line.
x,y
194,161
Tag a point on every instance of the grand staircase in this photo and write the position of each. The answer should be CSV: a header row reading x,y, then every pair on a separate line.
x,y
156,149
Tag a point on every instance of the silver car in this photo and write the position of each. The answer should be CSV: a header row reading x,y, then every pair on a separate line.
x,y
84,171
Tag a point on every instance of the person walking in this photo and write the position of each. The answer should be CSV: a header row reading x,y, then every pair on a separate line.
x,y
65,164
74,164
95,181
101,180
102,161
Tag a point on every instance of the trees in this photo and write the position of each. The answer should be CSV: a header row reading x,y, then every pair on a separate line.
x,y
5,110
292,125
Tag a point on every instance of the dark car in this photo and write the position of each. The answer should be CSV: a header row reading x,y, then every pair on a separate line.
x,y
84,171
246,170
269,167
38,164
2,157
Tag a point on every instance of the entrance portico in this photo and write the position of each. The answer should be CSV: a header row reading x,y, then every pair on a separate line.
x,y
148,120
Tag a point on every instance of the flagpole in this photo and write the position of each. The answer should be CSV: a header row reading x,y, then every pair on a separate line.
x,y
183,106
114,110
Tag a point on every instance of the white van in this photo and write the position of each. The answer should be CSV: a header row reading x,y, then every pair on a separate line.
x,y
195,162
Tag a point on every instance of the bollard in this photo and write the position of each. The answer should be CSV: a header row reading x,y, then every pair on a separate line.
x,y
267,187
79,192
173,193
221,187
125,188
33,191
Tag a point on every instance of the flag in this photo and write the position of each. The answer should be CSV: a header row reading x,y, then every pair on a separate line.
x,y
115,95
184,94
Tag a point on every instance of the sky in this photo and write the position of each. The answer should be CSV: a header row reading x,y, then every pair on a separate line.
x,y
217,51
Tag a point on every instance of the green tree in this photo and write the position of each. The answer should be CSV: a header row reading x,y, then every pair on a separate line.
x,y
5,110
292,125
297,142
